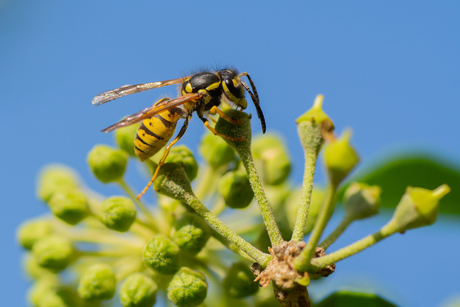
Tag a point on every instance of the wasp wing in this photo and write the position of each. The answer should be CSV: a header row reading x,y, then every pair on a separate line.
x,y
132,89
153,110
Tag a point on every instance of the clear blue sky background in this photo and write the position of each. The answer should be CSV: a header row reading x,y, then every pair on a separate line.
x,y
390,70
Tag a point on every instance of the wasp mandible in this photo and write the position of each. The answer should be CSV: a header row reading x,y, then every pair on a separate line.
x,y
202,92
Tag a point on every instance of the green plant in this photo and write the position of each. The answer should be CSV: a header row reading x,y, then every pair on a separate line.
x,y
180,246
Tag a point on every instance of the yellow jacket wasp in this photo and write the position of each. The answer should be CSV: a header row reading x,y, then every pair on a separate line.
x,y
201,92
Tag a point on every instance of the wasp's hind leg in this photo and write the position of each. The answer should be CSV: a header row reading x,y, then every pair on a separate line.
x,y
230,120
165,155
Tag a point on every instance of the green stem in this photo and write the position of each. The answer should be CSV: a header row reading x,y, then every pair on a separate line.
x,y
302,262
141,206
387,230
267,213
346,221
226,232
311,139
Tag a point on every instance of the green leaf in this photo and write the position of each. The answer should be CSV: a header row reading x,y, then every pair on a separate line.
x,y
352,299
396,173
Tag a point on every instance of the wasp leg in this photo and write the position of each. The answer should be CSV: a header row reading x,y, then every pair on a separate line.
x,y
165,155
221,113
206,124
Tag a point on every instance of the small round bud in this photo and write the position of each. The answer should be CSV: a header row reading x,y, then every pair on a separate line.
x,y
362,200
239,281
317,115
216,151
191,233
34,270
31,231
236,189
60,297
55,178
41,288
418,207
172,181
106,163
53,252
69,206
97,282
118,213
187,288
125,139
238,131
162,255
138,291
276,165
340,158
182,155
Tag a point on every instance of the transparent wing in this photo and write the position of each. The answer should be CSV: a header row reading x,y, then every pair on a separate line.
x,y
132,89
155,109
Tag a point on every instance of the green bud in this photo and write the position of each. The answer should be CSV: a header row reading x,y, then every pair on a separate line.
x,y
182,155
162,255
138,291
34,270
236,189
239,281
97,282
340,158
41,289
317,115
69,206
418,207
362,200
216,151
271,151
118,213
31,231
191,233
106,163
60,297
292,205
187,288
236,131
55,178
54,252
125,139
173,182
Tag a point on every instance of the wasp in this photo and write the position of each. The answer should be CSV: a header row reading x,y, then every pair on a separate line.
x,y
202,93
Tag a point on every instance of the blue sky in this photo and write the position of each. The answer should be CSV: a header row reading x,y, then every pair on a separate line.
x,y
389,70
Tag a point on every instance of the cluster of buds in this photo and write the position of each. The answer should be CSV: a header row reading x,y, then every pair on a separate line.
x,y
96,251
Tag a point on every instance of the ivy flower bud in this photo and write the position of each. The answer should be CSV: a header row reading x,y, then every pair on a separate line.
x,y
340,158
270,150
55,178
118,213
418,207
31,231
97,282
239,281
106,163
41,288
69,206
236,189
216,151
138,290
317,115
54,252
162,255
191,233
34,270
61,296
362,200
125,139
187,288
181,154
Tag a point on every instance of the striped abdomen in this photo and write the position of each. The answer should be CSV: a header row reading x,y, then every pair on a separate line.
x,y
153,134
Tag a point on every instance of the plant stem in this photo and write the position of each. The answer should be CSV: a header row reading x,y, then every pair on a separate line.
x,y
387,230
141,206
346,221
311,139
302,262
